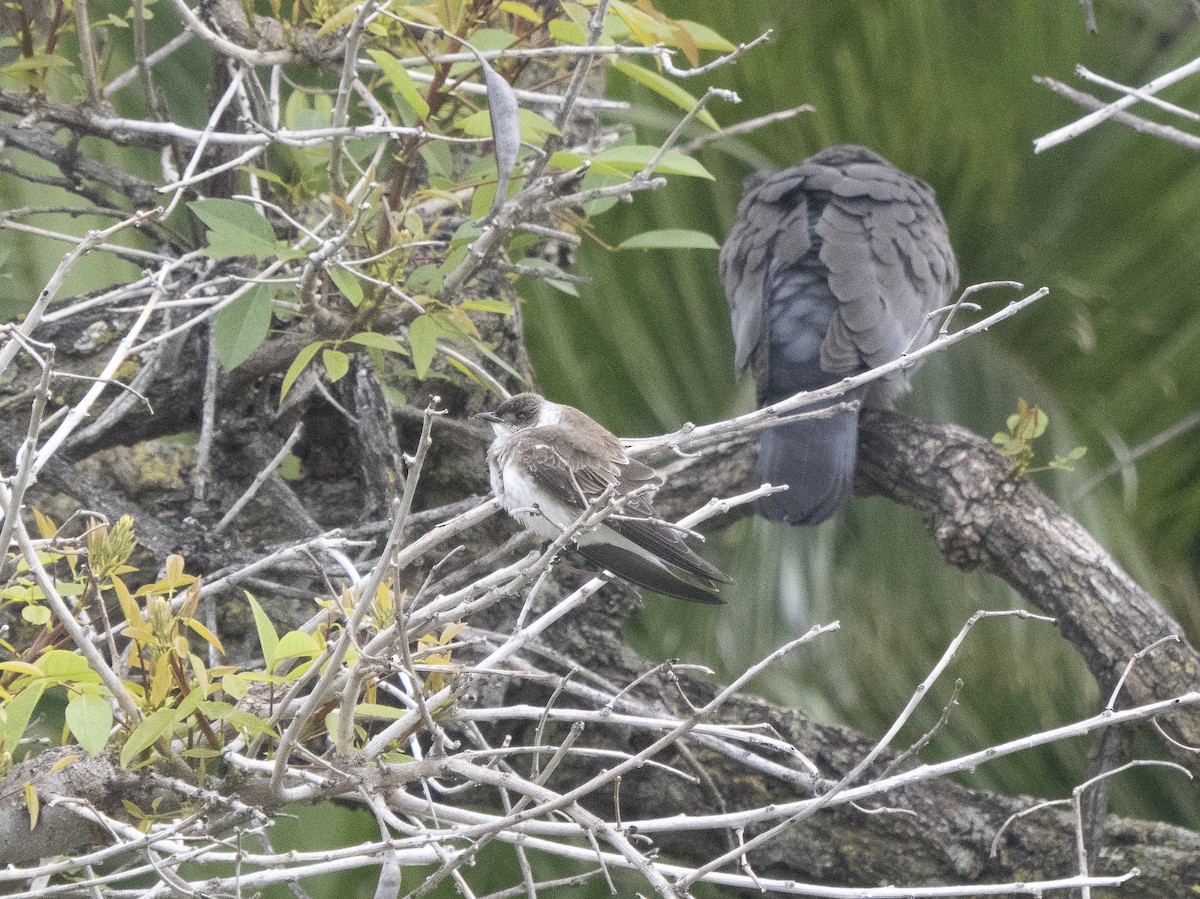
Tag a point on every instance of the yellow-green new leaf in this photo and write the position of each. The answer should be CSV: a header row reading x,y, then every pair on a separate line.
x,y
20,710
31,803
521,11
634,157
35,615
664,87
45,525
206,635
349,285
337,364
146,734
21,668
339,19
401,81
376,341
268,637
298,365
705,37
297,645
422,337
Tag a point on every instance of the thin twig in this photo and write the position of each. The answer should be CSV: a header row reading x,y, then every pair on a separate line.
x,y
33,318
1107,110
260,479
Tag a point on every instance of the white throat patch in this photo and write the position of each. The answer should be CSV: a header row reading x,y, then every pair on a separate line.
x,y
549,414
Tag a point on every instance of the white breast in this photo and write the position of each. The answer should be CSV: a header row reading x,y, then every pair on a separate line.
x,y
521,498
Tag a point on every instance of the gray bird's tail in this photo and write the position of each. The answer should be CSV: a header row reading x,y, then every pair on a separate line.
x,y
815,458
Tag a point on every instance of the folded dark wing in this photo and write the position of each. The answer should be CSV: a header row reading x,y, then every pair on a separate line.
x,y
648,572
666,542
566,466
575,469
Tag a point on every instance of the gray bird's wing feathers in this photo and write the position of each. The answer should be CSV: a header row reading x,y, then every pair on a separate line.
x,y
873,232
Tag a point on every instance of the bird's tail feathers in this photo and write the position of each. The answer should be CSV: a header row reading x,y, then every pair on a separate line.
x,y
648,572
815,459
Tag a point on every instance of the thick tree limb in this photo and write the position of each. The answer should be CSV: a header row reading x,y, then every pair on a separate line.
x,y
981,517
935,832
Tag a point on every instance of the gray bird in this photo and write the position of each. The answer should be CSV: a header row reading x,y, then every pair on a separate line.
x,y
831,269
549,463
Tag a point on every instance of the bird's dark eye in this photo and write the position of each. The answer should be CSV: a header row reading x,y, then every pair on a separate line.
x,y
523,415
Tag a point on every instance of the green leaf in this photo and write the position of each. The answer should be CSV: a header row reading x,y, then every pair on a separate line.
x,y
297,645
664,87
35,615
565,32
483,199
705,37
90,719
487,353
487,305
242,326
337,364
297,104
148,733
268,637
19,710
377,710
347,284
486,39
235,686
235,229
290,468
521,10
339,19
565,161
36,62
18,667
670,239
422,337
380,341
551,270
533,127
60,666
401,81
633,158
298,365
437,157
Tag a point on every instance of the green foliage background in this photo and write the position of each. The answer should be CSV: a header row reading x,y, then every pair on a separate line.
x,y
1108,222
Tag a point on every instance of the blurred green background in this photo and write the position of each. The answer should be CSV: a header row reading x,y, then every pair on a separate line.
x,y
1109,222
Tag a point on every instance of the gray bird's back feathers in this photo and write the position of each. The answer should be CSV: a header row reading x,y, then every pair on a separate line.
x,y
831,269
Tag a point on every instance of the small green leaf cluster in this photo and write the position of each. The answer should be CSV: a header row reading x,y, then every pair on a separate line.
x,y
187,709
367,271
1024,427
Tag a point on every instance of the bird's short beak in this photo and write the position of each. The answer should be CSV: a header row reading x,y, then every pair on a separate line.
x,y
489,416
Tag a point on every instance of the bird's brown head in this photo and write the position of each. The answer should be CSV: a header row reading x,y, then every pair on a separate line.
x,y
516,414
